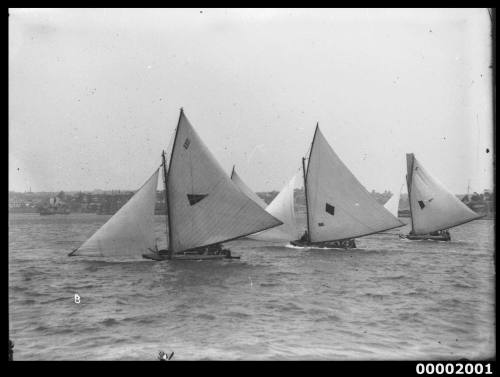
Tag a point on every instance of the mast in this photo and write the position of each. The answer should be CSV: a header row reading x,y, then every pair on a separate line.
x,y
167,230
305,194
166,187
409,177
305,182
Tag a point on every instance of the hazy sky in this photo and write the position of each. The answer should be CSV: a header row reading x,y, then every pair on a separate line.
x,y
94,94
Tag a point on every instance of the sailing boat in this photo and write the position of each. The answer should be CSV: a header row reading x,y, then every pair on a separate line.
x,y
203,209
433,208
281,207
338,207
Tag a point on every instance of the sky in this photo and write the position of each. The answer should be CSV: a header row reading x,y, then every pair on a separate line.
x,y
94,94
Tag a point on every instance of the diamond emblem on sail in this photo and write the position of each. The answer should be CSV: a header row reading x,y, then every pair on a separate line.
x,y
194,198
330,209
186,143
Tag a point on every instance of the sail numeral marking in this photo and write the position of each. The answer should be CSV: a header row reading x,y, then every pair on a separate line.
x,y
186,143
421,204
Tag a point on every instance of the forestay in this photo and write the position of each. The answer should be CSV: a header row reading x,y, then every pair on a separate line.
x,y
432,206
339,206
205,206
130,231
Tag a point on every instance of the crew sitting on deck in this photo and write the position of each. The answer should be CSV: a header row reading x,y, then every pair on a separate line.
x,y
304,237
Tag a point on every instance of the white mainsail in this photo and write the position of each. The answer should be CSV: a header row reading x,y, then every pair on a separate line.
x,y
246,190
281,207
205,207
130,231
392,205
339,207
432,206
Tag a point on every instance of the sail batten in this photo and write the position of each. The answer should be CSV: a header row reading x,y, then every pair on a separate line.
x,y
339,207
223,213
130,231
432,206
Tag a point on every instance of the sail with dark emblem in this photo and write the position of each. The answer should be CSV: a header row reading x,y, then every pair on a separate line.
x,y
432,206
338,205
205,206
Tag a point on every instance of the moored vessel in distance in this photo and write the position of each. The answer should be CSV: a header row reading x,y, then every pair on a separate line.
x,y
433,209
203,210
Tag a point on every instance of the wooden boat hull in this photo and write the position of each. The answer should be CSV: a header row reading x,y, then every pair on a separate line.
x,y
189,255
159,257
427,237
343,245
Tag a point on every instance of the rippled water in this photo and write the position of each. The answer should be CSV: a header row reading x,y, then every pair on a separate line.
x,y
390,299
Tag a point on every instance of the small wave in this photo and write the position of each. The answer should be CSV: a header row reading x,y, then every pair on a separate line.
x,y
182,306
375,295
462,285
146,320
451,302
408,316
238,315
397,277
333,317
59,331
208,317
28,302
283,274
18,289
109,322
86,286
292,307
269,284
139,320
56,300
91,269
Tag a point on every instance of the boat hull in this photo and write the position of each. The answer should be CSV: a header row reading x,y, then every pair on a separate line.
x,y
196,255
160,257
427,237
344,245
